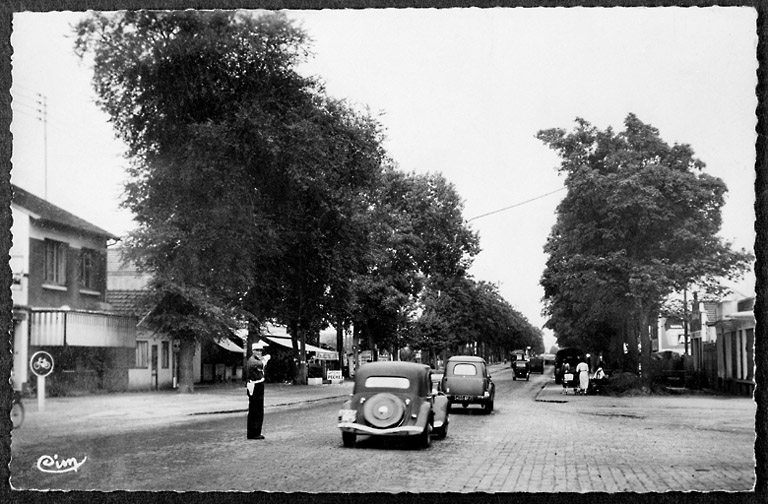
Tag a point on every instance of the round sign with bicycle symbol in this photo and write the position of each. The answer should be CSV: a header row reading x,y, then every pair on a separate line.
x,y
41,363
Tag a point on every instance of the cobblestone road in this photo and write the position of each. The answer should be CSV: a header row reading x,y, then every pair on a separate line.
x,y
556,444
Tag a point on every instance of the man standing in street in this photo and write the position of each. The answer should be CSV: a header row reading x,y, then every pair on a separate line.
x,y
255,390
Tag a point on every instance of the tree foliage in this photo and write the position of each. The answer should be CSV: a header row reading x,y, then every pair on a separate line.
x,y
246,179
639,222
417,232
460,312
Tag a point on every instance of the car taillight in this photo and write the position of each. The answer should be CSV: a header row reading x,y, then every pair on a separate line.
x,y
347,415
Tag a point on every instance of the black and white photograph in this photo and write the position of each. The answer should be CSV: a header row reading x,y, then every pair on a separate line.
x,y
498,250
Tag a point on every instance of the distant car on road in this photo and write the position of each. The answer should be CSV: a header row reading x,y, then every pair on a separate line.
x,y
521,367
572,356
537,364
394,399
668,366
467,381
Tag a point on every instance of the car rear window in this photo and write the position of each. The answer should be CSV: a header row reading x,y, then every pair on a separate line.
x,y
396,382
465,369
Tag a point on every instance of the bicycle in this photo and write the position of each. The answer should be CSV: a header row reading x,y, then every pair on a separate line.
x,y
17,410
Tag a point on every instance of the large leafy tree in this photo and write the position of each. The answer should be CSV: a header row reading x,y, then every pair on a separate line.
x,y
245,178
639,222
417,231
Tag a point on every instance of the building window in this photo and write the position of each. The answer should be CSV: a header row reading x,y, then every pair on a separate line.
x,y
55,262
142,348
166,355
88,268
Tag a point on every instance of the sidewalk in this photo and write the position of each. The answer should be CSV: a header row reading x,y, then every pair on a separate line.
x,y
102,411
553,393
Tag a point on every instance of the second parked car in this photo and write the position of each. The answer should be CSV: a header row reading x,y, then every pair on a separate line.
x,y
537,364
467,381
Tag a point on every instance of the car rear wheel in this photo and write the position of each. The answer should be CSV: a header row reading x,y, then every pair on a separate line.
x,y
444,429
489,406
425,438
348,438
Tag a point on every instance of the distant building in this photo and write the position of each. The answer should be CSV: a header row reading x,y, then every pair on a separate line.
x,y
154,362
59,295
668,336
723,343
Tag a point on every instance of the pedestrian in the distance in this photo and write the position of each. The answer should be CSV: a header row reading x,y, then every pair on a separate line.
x,y
583,370
255,390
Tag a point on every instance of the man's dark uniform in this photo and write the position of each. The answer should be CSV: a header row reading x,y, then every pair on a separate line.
x,y
255,398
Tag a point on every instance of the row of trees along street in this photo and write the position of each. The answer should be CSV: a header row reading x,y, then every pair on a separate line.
x,y
258,198
637,227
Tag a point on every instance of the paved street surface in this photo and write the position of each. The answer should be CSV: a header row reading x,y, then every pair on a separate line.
x,y
536,440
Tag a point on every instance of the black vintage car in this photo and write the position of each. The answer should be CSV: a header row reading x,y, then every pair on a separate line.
x,y
537,364
522,367
467,381
394,399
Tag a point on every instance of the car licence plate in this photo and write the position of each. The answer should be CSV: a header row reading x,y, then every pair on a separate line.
x,y
568,377
463,398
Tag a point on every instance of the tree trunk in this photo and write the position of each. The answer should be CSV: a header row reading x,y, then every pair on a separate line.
x,y
614,359
302,356
186,365
630,340
340,345
299,356
356,344
645,342
371,343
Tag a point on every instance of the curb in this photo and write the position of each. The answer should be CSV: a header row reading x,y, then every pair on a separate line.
x,y
266,407
549,400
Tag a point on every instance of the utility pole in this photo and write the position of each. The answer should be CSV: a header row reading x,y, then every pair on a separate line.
x,y
42,109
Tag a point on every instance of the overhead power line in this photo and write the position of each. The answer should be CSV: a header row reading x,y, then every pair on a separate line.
x,y
516,204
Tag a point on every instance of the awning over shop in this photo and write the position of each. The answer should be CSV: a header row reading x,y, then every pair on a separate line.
x,y
320,353
228,344
743,315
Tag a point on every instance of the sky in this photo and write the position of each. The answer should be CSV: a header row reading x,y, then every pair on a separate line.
x,y
461,92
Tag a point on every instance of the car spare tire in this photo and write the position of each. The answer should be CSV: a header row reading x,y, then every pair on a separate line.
x,y
383,410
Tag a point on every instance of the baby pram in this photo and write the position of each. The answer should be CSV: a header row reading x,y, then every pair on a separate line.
x,y
569,381
596,382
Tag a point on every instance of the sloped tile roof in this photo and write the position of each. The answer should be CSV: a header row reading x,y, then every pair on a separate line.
x,y
127,302
45,211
